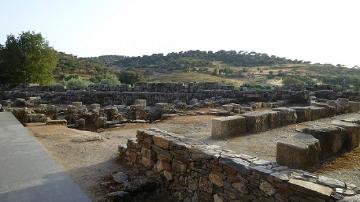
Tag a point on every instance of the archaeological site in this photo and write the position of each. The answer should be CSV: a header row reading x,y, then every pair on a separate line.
x,y
179,101
196,141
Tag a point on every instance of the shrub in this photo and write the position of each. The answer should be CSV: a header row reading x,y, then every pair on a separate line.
x,y
77,83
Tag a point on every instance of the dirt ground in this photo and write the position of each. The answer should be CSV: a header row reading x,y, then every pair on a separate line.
x,y
90,158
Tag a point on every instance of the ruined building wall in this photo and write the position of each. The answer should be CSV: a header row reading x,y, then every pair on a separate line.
x,y
194,171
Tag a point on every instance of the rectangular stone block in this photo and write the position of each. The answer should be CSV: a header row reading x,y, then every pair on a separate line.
x,y
228,126
332,138
353,133
330,111
274,119
256,121
140,102
288,116
317,112
303,114
300,151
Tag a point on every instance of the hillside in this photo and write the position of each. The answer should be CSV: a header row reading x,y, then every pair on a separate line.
x,y
237,68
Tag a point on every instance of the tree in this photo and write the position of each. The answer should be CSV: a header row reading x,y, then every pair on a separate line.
x,y
27,58
130,76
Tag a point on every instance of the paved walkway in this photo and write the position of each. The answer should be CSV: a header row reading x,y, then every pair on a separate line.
x,y
27,172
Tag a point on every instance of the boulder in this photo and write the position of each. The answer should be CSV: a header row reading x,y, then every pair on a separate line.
x,y
332,138
228,126
353,133
257,121
287,116
300,151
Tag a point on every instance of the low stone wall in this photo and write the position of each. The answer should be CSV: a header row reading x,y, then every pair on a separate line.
x,y
194,171
128,98
260,121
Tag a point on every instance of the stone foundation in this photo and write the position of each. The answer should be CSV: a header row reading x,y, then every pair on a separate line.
x,y
194,171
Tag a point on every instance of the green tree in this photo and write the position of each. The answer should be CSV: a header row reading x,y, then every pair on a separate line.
x,y
27,58
130,76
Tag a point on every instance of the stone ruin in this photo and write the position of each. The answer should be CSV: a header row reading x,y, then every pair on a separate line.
x,y
194,171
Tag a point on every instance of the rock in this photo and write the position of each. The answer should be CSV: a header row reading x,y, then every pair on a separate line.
x,y
342,105
317,112
287,116
256,121
353,133
303,114
267,188
354,106
216,178
313,187
300,151
57,122
274,119
218,112
120,177
36,118
228,126
330,111
140,102
332,138
118,195
217,198
331,182
161,142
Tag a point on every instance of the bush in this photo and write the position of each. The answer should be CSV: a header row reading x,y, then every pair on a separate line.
x,y
106,79
77,83
294,81
130,76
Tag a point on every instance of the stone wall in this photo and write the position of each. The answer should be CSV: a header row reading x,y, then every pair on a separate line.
x,y
127,98
194,171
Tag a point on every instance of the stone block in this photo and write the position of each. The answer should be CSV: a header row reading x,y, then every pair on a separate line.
x,y
257,121
288,116
36,118
228,126
330,110
274,119
77,104
300,151
354,106
332,138
140,102
57,122
317,112
353,133
342,105
303,114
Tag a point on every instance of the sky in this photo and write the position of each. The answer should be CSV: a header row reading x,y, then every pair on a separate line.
x,y
325,31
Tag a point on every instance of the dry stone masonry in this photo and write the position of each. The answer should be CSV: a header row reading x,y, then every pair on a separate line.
x,y
193,171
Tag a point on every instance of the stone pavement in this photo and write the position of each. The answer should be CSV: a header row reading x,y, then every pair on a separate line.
x,y
27,172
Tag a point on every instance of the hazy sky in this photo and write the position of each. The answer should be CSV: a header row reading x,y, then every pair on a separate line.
x,y
326,31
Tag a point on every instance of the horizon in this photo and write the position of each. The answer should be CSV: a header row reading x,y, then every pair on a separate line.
x,y
320,32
